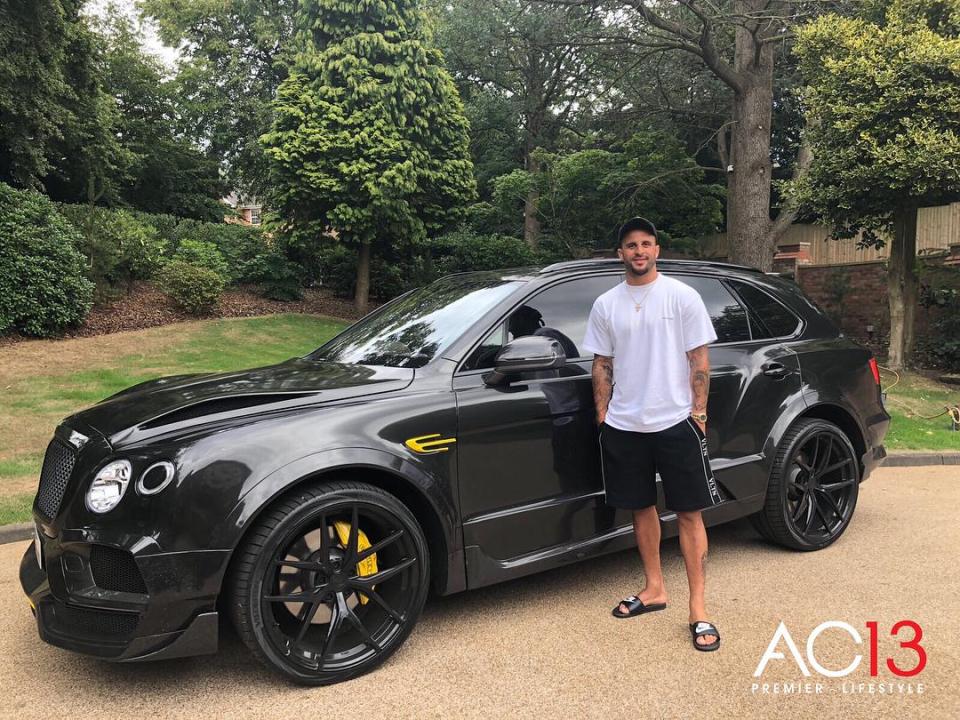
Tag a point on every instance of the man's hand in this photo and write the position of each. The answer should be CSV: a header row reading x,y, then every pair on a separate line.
x,y
702,426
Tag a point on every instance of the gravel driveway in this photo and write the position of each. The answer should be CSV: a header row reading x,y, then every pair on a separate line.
x,y
546,646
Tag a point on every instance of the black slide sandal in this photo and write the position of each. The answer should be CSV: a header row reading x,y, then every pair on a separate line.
x,y
701,628
636,607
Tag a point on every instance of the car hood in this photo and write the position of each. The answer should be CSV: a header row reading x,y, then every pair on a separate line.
x,y
186,400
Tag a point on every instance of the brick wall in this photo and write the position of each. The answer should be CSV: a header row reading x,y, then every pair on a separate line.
x,y
854,296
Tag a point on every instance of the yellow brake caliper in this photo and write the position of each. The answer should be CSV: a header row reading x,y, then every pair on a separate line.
x,y
364,567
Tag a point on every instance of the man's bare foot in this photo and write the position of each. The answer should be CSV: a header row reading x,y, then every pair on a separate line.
x,y
705,636
647,596
697,617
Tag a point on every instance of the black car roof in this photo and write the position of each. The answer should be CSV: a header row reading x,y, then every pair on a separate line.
x,y
605,263
545,272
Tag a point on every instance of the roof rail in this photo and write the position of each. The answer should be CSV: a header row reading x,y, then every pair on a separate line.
x,y
604,262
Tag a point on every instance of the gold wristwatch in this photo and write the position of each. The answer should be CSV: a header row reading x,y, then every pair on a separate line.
x,y
699,417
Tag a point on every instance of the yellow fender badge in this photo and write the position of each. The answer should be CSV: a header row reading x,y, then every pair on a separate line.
x,y
429,444
364,567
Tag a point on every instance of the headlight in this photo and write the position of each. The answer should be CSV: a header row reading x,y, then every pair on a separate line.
x,y
108,486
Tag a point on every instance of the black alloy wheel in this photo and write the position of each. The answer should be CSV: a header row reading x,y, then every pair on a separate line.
x,y
307,599
813,487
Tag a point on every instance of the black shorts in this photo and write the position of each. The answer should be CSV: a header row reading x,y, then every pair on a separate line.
x,y
632,460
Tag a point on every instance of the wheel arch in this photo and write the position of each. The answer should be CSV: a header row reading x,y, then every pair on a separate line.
x,y
845,420
416,490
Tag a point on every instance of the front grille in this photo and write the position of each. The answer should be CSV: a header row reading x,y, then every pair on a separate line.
x,y
57,466
115,570
87,622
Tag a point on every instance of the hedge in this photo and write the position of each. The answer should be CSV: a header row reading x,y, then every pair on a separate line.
x,y
42,285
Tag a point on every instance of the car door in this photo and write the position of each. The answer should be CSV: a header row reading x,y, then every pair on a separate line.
x,y
753,378
528,457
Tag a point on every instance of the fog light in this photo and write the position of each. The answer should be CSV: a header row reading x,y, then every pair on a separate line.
x,y
108,486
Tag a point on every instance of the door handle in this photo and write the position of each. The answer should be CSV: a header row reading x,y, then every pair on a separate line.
x,y
774,370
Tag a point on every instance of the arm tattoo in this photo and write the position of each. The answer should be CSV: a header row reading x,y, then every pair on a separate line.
x,y
602,383
699,359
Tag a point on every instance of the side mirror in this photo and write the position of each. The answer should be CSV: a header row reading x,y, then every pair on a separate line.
x,y
526,354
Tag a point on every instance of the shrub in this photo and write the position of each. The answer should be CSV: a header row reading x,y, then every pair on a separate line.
x,y
464,250
339,271
940,298
42,285
164,224
193,288
239,244
119,246
310,257
277,277
203,254
389,276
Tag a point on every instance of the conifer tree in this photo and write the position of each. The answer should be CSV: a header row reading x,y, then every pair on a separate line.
x,y
369,142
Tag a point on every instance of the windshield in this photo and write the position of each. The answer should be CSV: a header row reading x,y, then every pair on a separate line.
x,y
417,327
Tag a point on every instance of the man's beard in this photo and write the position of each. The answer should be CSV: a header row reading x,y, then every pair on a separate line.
x,y
640,273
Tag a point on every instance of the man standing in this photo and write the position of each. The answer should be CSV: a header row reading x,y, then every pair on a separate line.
x,y
651,377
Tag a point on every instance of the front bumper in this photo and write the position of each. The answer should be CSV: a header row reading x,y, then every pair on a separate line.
x,y
168,611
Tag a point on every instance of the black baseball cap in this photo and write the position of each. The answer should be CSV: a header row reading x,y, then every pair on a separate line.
x,y
637,223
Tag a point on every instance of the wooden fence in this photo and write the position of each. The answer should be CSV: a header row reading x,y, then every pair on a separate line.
x,y
937,229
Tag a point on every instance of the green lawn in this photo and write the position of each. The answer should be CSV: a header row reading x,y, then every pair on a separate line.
x,y
31,405
915,395
15,508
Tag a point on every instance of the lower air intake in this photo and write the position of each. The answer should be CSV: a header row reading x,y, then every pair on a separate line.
x,y
115,570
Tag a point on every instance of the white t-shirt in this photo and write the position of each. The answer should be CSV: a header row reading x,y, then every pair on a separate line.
x,y
651,374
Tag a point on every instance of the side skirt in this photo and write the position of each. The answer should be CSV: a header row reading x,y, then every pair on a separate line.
x,y
484,570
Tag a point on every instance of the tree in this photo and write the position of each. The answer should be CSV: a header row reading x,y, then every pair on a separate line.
x,y
496,140
584,194
31,83
369,142
236,54
168,173
526,54
55,121
88,160
883,116
737,41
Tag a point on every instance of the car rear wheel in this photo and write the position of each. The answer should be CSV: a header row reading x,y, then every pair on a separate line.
x,y
330,582
813,487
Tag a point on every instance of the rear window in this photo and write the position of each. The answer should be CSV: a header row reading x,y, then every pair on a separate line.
x,y
770,318
727,315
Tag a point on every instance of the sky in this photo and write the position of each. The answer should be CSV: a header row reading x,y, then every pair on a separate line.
x,y
152,42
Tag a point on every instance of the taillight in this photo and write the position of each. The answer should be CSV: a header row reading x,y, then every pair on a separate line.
x,y
875,369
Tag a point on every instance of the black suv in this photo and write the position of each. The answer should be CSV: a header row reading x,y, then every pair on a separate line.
x,y
447,440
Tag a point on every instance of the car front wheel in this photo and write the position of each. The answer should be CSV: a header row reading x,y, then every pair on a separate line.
x,y
330,582
813,487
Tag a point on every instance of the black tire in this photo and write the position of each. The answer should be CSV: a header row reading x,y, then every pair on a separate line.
x,y
813,488
282,589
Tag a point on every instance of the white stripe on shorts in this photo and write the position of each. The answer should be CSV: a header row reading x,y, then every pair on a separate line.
x,y
707,473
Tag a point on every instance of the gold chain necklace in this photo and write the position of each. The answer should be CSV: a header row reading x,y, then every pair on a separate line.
x,y
638,304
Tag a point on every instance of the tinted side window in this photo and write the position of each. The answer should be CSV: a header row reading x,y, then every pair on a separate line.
x,y
773,319
560,312
728,316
